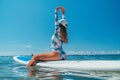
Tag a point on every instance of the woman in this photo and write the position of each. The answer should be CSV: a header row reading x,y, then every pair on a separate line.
x,y
59,37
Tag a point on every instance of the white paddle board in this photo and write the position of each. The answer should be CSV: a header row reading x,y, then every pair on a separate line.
x,y
89,65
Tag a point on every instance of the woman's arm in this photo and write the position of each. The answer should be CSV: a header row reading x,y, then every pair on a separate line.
x,y
63,11
56,17
56,14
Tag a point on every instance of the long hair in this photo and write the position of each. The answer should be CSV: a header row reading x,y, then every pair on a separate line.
x,y
63,33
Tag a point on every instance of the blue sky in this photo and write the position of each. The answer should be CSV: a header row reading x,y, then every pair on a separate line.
x,y
26,26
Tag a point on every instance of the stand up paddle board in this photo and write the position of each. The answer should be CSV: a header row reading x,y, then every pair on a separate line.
x,y
89,65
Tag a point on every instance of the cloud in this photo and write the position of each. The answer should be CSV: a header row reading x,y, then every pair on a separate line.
x,y
28,46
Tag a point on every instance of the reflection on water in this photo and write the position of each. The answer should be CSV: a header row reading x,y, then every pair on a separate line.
x,y
53,74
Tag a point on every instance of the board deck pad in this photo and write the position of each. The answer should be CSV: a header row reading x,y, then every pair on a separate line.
x,y
25,58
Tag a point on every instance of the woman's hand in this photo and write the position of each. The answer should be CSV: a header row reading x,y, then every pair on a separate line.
x,y
61,8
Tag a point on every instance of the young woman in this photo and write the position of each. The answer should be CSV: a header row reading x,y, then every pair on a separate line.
x,y
59,37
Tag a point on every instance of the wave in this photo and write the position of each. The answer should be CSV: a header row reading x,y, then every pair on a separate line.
x,y
93,52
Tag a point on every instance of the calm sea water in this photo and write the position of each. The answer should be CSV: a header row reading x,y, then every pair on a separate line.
x,y
10,70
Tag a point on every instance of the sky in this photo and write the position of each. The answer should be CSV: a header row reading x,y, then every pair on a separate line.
x,y
26,26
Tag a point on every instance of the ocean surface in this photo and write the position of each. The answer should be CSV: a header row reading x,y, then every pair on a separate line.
x,y
10,70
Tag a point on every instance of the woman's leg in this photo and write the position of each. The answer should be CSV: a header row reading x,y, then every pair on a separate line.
x,y
46,57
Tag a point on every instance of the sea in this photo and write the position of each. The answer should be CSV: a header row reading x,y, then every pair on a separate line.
x,y
11,70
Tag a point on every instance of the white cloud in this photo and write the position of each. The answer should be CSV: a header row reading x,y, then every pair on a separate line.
x,y
28,46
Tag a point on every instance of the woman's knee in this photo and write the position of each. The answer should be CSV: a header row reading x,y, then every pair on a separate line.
x,y
35,57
